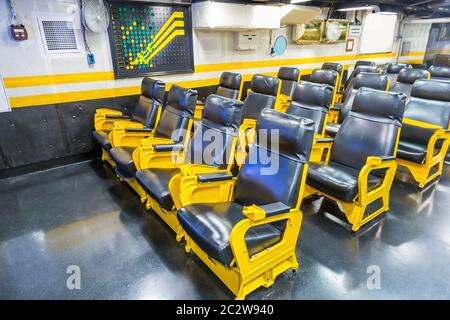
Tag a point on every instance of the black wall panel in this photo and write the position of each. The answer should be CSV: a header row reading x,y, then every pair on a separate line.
x,y
35,134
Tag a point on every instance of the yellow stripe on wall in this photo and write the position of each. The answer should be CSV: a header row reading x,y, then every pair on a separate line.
x,y
19,82
44,99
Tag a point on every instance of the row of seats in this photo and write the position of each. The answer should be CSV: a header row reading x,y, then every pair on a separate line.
x,y
243,224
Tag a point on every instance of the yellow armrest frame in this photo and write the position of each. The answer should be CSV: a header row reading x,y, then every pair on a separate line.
x,y
421,171
101,123
246,136
247,273
320,145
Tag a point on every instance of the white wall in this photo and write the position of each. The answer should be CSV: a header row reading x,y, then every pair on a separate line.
x,y
25,59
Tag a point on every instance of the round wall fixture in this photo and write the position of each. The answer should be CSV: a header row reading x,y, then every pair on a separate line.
x,y
279,45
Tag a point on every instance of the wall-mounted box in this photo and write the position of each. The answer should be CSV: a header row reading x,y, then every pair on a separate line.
x,y
246,40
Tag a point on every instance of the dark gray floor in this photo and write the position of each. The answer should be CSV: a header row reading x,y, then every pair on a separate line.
x,y
81,215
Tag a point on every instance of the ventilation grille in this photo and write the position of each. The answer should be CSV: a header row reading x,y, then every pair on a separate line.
x,y
59,36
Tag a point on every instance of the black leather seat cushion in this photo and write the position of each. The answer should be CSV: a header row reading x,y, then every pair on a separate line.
x,y
210,225
102,139
337,180
156,183
411,151
332,129
122,156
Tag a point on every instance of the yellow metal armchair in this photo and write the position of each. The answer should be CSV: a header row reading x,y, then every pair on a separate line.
x,y
249,237
210,151
425,137
174,127
289,78
360,168
145,115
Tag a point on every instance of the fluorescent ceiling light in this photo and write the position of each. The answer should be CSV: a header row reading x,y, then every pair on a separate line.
x,y
299,1
387,13
356,8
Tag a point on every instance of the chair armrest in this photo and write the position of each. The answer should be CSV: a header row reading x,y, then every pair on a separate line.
x,y
116,116
256,213
337,107
421,124
139,130
168,147
324,140
213,177
200,103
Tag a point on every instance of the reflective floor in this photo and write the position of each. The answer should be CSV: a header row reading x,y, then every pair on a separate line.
x,y
81,215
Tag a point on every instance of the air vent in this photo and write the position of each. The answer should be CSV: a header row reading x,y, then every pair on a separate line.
x,y
58,35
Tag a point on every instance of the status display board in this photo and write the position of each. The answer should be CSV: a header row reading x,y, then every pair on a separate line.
x,y
150,38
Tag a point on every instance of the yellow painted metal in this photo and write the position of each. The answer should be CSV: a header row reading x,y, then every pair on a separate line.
x,y
246,136
101,123
433,164
355,211
247,273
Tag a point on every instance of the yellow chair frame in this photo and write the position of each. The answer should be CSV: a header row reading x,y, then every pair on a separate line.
x,y
284,100
246,273
355,211
421,171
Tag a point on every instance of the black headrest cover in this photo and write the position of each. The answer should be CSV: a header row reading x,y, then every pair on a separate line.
x,y
371,80
223,111
395,67
182,99
440,71
431,89
230,80
380,104
315,94
364,68
332,66
265,84
324,76
153,89
287,73
295,134
409,76
364,63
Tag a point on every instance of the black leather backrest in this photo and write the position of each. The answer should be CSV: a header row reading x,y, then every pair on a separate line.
x,y
430,103
223,111
364,63
256,182
153,89
313,94
311,101
324,77
229,85
409,76
356,71
431,89
375,81
440,72
396,67
149,102
288,73
333,66
289,78
262,95
265,85
406,79
177,113
370,129
212,141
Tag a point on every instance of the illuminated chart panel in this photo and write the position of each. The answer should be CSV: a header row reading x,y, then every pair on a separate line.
x,y
150,38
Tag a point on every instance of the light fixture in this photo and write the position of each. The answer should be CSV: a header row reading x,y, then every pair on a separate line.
x,y
387,13
356,8
299,1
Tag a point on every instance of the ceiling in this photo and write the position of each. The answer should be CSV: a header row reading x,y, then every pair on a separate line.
x,y
418,8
